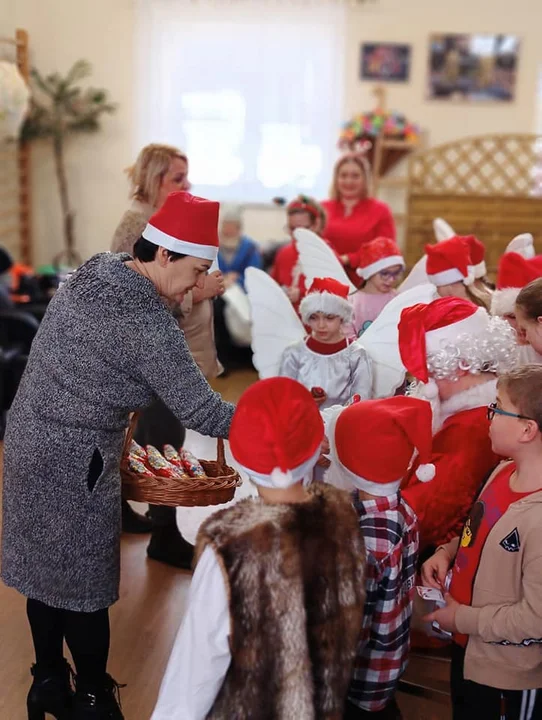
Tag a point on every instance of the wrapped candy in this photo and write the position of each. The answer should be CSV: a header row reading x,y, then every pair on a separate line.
x,y
319,395
191,464
137,466
160,466
137,451
174,458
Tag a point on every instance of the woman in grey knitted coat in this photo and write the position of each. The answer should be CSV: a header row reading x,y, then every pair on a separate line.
x,y
107,346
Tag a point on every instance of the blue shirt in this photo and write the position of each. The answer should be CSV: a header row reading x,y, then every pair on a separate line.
x,y
246,255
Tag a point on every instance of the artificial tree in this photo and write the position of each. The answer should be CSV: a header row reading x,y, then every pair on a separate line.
x,y
60,107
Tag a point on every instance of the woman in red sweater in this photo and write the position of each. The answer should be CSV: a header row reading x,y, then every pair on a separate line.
x,y
353,218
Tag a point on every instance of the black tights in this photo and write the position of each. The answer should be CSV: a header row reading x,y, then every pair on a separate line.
x,y
87,636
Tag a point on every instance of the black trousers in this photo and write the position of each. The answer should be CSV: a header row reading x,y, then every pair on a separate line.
x,y
87,636
472,701
158,426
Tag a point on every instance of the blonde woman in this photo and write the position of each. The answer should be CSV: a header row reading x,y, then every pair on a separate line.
x,y
354,218
158,171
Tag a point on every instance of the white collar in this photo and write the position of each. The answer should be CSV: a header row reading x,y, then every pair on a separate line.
x,y
475,397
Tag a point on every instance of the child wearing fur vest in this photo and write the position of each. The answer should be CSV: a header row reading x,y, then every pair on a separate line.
x,y
277,596
494,607
391,430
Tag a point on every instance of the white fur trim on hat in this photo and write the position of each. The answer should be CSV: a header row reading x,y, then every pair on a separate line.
x,y
447,277
162,239
480,270
327,303
281,480
473,325
370,270
503,302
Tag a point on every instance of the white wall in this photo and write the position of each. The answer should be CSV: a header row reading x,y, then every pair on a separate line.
x,y
62,31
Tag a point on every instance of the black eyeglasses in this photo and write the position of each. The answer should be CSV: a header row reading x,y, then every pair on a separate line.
x,y
493,410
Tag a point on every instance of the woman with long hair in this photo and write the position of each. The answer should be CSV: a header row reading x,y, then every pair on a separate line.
x,y
353,217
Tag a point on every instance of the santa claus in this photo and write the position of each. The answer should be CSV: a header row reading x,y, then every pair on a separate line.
x,y
454,350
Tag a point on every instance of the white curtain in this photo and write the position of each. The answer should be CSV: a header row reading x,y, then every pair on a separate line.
x,y
250,90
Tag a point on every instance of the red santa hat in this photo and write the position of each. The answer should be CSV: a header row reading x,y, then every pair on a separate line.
x,y
276,432
391,430
326,296
449,262
377,255
477,255
425,329
514,273
185,224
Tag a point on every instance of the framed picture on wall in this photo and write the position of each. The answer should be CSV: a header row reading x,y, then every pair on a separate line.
x,y
475,68
385,62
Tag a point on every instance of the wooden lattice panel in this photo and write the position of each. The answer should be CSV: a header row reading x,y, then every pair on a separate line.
x,y
482,186
486,165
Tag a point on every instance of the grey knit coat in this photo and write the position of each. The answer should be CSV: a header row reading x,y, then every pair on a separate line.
x,y
107,346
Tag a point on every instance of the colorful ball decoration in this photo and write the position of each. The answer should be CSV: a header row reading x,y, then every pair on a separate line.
x,y
372,124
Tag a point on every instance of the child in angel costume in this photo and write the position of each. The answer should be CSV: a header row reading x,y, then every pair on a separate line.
x,y
302,212
369,367
379,263
324,361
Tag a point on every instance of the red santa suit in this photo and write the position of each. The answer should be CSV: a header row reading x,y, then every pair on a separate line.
x,y
436,341
368,220
463,459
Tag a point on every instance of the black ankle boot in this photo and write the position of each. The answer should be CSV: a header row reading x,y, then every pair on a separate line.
x,y
98,702
133,522
167,545
51,693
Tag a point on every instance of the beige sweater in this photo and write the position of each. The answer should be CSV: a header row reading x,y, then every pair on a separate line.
x,y
504,622
195,320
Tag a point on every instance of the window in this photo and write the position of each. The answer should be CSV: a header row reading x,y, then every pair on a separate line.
x,y
250,90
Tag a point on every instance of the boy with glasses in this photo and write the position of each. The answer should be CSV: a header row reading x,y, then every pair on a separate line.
x,y
494,607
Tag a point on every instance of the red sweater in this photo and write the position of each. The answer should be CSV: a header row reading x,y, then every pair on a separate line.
x,y
463,459
369,219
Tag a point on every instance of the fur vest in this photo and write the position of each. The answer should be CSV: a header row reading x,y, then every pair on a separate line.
x,y
296,582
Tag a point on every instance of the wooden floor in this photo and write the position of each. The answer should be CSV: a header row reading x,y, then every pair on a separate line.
x,y
146,618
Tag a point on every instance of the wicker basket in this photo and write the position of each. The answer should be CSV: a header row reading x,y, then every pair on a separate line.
x,y
216,488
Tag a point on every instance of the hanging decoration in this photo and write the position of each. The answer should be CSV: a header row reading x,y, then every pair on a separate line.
x,y
397,134
14,101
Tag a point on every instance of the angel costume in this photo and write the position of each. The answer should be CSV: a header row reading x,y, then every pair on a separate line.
x,y
342,369
280,344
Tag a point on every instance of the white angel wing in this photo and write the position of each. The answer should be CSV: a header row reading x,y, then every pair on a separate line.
x,y
275,324
381,340
417,276
318,260
442,230
522,244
